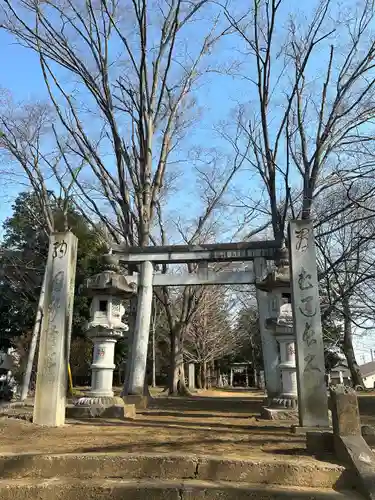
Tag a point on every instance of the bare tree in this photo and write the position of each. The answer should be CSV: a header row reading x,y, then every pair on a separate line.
x,y
313,100
139,102
121,77
345,258
211,334
22,133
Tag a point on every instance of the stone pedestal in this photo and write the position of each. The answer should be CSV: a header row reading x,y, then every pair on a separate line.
x,y
101,407
51,382
288,396
103,366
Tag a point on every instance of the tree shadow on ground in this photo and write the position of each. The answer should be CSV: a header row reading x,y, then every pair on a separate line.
x,y
205,404
196,426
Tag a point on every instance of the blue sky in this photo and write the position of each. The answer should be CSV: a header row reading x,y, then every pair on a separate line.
x,y
22,77
216,97
220,94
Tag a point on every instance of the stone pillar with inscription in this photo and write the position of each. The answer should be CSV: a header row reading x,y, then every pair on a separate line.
x,y
312,389
108,289
280,323
54,345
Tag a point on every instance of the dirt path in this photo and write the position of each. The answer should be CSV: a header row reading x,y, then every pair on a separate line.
x,y
209,423
212,422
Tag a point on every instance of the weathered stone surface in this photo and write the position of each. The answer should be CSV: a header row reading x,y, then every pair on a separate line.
x,y
122,412
355,452
350,447
125,411
297,429
312,390
60,489
99,465
345,413
51,382
284,472
140,401
279,414
270,472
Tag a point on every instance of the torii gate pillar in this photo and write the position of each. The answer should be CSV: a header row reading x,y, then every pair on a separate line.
x,y
269,343
134,388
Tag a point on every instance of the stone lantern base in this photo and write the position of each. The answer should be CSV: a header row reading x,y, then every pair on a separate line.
x,y
104,407
269,413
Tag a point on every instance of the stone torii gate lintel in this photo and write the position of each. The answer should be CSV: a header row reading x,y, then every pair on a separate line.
x,y
259,252
179,254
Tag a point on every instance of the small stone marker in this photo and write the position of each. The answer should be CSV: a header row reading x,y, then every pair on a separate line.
x,y
312,390
349,444
345,413
51,382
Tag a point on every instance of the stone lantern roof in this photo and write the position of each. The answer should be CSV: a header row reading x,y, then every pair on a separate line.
x,y
110,281
279,277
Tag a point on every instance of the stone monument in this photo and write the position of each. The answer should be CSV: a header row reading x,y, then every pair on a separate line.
x,y
312,389
108,290
54,345
280,321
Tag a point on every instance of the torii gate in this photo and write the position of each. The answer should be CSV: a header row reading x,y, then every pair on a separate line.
x,y
50,397
259,252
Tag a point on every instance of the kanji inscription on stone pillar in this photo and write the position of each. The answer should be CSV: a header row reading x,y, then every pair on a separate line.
x,y
312,390
51,383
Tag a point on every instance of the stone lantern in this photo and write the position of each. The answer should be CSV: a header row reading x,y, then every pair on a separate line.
x,y
108,290
277,284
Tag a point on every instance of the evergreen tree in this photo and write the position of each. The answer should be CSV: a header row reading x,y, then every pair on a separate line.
x,y
23,258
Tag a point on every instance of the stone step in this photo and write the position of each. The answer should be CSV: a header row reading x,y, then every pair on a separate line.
x,y
95,489
284,471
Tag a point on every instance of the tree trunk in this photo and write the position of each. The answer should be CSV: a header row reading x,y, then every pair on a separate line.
x,y
348,346
199,376
34,339
177,375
